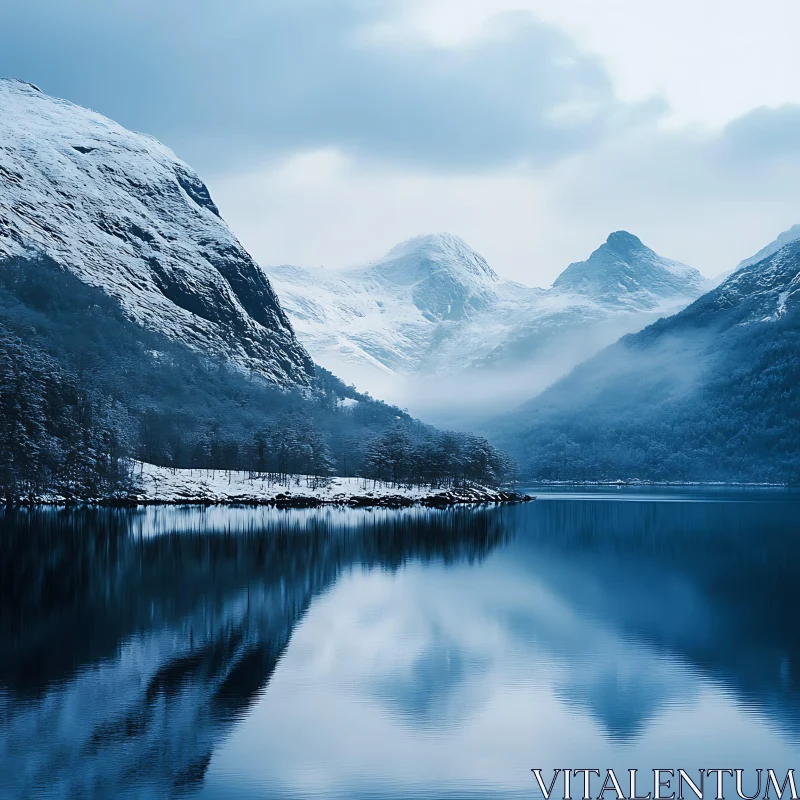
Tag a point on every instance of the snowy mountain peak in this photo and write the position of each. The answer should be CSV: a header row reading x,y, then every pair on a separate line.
x,y
416,258
787,237
431,325
624,271
122,213
448,279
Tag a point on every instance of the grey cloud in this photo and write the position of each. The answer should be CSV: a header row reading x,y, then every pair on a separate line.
x,y
225,81
708,198
763,133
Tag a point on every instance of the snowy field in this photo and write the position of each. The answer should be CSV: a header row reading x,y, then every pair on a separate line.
x,y
162,484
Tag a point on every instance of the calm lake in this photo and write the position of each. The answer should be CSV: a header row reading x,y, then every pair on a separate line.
x,y
254,653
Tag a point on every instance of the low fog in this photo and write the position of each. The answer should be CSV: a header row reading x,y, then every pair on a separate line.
x,y
680,400
499,383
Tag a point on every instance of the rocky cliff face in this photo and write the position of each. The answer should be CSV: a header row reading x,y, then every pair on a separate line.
x,y
124,214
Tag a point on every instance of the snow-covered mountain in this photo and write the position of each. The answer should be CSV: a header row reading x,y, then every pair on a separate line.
x,y
624,272
121,212
763,291
432,326
382,320
787,237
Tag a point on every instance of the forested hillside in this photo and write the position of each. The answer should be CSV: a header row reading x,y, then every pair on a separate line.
x,y
712,393
83,388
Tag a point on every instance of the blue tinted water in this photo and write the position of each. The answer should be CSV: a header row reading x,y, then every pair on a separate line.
x,y
232,653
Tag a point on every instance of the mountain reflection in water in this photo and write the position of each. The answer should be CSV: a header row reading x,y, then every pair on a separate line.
x,y
371,653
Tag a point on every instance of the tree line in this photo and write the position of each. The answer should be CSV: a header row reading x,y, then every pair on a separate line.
x,y
55,435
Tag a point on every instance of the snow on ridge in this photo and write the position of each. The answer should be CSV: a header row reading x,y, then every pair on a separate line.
x,y
120,211
787,237
767,288
421,255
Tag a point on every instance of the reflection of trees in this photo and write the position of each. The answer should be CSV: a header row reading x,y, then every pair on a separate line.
x,y
130,640
710,583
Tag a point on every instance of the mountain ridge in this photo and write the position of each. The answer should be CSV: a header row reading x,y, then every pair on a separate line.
x,y
444,251
624,270
447,278
786,237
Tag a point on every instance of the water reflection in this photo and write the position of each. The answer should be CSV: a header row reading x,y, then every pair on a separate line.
x,y
712,583
130,641
413,653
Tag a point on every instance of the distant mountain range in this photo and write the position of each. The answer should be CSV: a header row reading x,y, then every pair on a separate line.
x,y
433,327
711,393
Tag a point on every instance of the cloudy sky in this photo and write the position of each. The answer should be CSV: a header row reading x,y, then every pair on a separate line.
x,y
329,130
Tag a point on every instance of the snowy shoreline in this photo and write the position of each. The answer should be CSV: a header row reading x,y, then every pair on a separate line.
x,y
164,486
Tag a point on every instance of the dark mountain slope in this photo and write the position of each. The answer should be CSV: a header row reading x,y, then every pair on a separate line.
x,y
712,393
